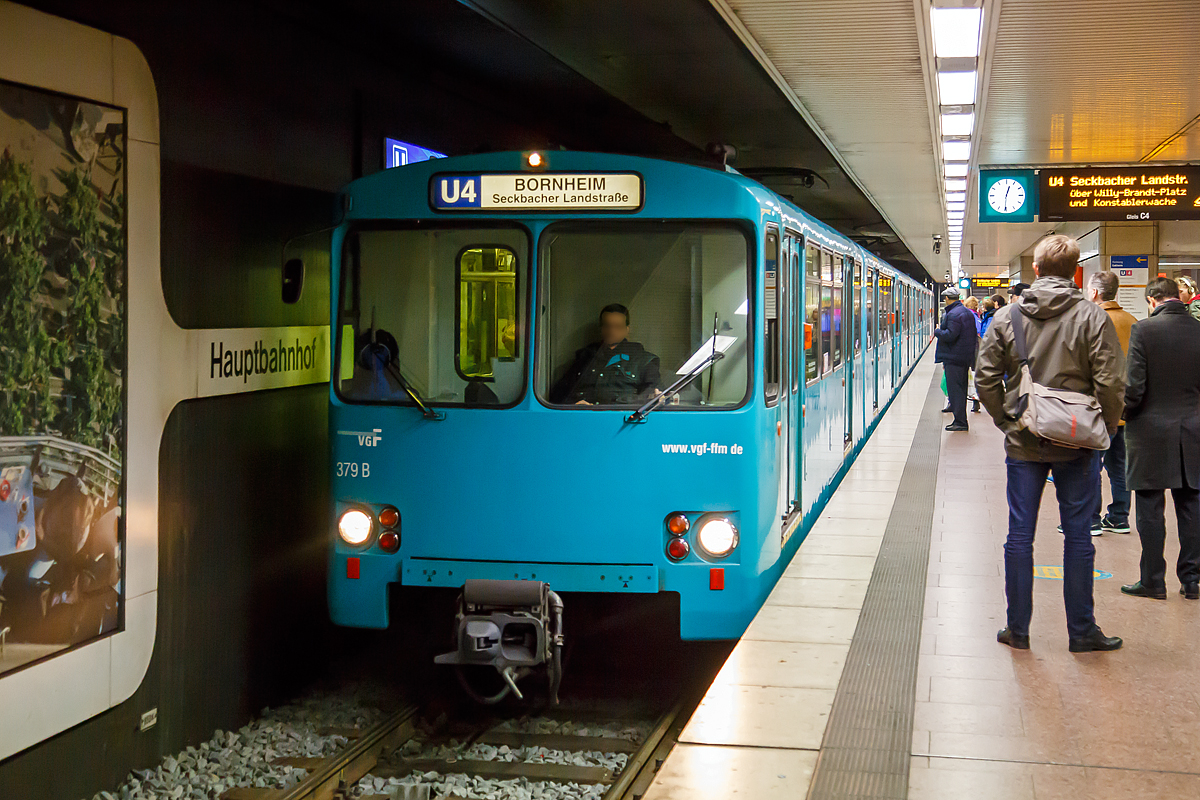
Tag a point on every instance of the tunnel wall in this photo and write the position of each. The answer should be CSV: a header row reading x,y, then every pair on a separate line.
x,y
262,118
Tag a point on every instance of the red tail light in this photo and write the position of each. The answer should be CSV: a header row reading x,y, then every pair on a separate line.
x,y
389,517
389,541
677,549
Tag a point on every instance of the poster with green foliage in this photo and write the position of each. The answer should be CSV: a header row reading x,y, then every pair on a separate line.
x,y
62,368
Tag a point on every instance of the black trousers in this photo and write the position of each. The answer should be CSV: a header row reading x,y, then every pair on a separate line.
x,y
1152,529
956,388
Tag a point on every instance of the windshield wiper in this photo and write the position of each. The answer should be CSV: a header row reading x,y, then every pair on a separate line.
x,y
426,411
675,388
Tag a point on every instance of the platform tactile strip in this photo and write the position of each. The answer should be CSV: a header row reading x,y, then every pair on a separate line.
x,y
868,741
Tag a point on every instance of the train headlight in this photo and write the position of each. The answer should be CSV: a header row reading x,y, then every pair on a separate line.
x,y
354,526
717,537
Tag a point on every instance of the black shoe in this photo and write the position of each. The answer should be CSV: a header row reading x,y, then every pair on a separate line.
x,y
1014,640
1097,530
1109,526
947,410
954,426
1190,590
975,407
1137,590
1096,640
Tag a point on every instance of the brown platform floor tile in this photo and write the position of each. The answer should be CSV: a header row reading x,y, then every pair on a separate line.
x,y
996,723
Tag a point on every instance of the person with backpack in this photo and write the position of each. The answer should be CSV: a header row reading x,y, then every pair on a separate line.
x,y
1053,353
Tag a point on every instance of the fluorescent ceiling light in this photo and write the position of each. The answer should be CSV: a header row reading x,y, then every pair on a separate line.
x,y
955,215
953,196
956,151
957,124
956,170
955,185
959,206
743,309
1162,263
956,32
956,88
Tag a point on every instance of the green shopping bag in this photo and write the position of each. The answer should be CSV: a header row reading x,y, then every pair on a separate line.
x,y
945,391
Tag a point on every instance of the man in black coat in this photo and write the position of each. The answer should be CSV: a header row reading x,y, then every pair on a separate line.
x,y
957,341
1162,431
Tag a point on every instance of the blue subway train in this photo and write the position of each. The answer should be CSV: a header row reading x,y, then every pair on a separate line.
x,y
559,373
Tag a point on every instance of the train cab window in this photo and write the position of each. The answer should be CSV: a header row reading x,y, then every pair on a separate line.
x,y
838,267
628,308
797,323
435,314
487,310
812,311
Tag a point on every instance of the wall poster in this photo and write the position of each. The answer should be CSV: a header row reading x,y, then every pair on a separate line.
x,y
63,337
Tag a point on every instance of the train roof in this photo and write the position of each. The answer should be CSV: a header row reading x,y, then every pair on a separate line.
x,y
672,189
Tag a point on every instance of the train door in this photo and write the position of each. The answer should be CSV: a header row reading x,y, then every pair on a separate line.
x,y
786,398
849,326
796,325
774,356
873,334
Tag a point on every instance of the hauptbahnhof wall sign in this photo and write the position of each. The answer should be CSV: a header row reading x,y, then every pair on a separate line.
x,y
1119,194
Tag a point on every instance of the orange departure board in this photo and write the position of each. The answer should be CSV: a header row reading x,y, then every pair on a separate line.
x,y
1119,193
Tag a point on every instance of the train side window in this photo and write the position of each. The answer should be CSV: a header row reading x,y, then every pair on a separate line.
x,y
826,327
812,312
771,317
487,310
857,307
838,266
870,318
797,323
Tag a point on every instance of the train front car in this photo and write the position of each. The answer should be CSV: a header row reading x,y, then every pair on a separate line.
x,y
544,385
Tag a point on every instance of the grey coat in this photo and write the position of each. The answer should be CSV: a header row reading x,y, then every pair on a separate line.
x,y
1162,401
1072,345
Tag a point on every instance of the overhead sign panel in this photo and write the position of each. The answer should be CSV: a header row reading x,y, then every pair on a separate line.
x,y
1120,193
609,191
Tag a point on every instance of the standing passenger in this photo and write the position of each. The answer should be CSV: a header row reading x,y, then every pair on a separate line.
x,y
1071,345
1163,427
1102,290
956,346
1188,295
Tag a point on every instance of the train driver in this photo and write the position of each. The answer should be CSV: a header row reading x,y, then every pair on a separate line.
x,y
611,371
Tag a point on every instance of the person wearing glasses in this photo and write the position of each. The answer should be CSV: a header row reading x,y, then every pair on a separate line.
x,y
612,371
1188,295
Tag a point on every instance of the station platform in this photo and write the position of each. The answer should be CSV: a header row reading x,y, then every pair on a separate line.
x,y
873,669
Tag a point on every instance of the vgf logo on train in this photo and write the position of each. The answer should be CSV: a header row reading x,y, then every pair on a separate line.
x,y
369,438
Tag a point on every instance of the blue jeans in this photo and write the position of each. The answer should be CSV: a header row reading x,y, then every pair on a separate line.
x,y
1114,465
1077,486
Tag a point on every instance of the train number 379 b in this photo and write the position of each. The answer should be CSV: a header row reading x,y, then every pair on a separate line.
x,y
353,469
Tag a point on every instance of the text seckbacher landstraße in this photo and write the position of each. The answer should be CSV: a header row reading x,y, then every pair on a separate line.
x,y
546,191
1119,193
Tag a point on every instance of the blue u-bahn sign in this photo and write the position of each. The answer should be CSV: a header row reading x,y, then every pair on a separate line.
x,y
397,153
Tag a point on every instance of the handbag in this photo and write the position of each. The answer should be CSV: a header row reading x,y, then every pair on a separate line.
x,y
1069,419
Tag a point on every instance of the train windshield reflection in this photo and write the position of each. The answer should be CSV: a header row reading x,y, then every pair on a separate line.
x,y
626,306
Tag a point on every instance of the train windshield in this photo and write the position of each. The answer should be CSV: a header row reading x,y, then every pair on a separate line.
x,y
434,313
628,308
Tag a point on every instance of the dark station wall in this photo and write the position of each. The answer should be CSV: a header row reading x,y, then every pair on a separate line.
x,y
266,109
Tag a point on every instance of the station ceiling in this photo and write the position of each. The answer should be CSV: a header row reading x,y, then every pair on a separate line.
x,y
1081,82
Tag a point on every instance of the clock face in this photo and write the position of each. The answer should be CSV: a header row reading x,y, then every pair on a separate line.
x,y
1006,196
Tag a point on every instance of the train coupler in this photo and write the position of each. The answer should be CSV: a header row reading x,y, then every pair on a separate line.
x,y
512,625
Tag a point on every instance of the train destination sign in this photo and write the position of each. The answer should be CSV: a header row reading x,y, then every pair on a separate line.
x,y
610,191
1120,193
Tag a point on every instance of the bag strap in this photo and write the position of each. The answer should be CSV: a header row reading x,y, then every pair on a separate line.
x,y
1019,335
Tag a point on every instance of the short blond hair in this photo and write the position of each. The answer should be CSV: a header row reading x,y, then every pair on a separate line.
x,y
971,303
1057,255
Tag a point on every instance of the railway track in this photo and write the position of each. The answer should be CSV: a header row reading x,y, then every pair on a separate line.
x,y
377,753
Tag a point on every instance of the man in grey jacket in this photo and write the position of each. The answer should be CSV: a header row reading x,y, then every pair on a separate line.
x,y
1071,345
